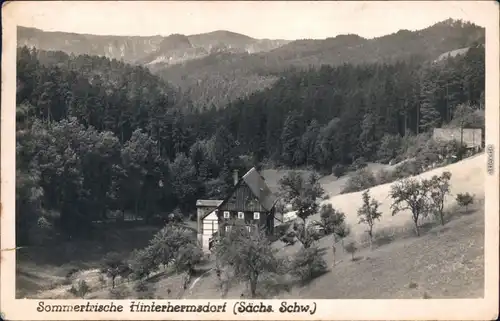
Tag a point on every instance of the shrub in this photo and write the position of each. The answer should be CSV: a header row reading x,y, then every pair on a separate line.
x,y
308,264
288,238
330,218
144,290
80,290
412,145
389,148
282,230
358,164
351,248
272,284
407,169
143,263
307,234
176,216
360,180
384,177
141,286
464,200
187,257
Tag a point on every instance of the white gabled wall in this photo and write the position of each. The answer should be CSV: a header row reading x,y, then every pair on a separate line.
x,y
210,226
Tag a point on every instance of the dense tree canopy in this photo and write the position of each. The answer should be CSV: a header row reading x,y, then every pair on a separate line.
x,y
97,138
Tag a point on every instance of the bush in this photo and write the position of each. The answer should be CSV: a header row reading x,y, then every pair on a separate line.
x,y
144,290
351,248
187,257
412,145
342,231
288,238
176,216
435,152
80,290
389,148
407,169
358,164
464,200
360,180
330,218
143,263
308,264
384,177
282,230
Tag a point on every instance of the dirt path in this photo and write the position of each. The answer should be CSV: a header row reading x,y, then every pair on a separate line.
x,y
198,278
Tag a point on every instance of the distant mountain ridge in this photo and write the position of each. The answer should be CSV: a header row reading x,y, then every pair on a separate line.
x,y
172,49
231,75
218,67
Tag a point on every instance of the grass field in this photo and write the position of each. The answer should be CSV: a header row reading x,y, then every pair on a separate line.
x,y
445,262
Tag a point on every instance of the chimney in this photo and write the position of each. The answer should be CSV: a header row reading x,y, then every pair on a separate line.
x,y
235,177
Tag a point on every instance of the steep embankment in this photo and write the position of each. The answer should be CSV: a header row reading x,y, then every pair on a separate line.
x,y
466,176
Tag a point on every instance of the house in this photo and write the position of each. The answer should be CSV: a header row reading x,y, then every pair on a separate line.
x,y
207,220
472,138
250,200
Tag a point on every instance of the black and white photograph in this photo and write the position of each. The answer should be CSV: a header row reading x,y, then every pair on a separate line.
x,y
250,151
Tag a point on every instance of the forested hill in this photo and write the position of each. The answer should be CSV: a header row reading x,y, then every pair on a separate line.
x,y
224,77
106,94
219,67
338,114
97,138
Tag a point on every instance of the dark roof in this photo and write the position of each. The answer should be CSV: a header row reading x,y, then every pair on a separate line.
x,y
259,188
208,203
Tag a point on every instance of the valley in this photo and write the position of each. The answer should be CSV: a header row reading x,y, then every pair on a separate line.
x,y
118,138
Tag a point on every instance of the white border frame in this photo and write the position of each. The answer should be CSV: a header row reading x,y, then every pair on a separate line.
x,y
438,309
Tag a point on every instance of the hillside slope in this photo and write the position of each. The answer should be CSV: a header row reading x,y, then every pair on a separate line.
x,y
218,67
466,176
445,262
236,68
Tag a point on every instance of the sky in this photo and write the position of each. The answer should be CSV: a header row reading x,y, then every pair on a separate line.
x,y
259,19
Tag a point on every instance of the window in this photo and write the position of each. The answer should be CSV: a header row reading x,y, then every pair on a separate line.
x,y
226,214
228,228
256,215
241,215
249,228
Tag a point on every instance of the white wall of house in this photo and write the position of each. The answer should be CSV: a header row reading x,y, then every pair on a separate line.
x,y
210,226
